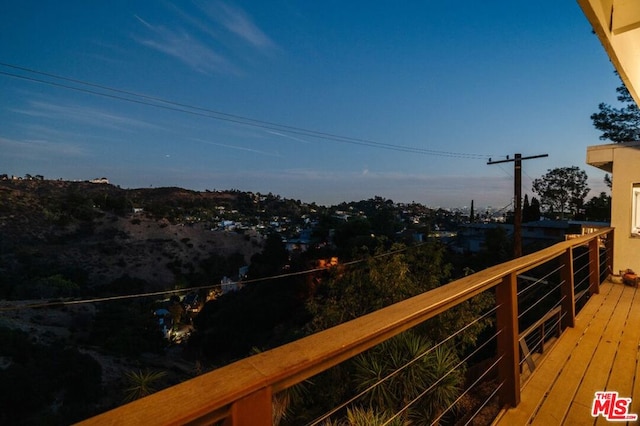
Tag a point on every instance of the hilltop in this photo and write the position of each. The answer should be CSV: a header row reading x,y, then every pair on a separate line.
x,y
94,234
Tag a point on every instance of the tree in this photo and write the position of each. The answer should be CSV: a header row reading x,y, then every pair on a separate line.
x,y
472,217
126,328
562,189
535,208
262,314
380,281
177,311
618,124
530,210
271,260
598,208
354,234
608,181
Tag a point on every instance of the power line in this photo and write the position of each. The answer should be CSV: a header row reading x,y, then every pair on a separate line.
x,y
190,289
170,105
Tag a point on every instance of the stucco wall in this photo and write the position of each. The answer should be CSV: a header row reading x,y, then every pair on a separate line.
x,y
626,173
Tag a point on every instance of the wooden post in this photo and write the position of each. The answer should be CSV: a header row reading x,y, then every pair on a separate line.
x,y
567,290
609,250
252,410
594,266
507,323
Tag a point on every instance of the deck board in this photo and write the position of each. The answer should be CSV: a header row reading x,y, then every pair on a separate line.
x,y
621,377
633,353
574,368
599,353
536,388
599,369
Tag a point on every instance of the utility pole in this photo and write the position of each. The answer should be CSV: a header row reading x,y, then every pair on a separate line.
x,y
517,185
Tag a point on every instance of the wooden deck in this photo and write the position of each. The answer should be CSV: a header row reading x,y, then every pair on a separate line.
x,y
600,353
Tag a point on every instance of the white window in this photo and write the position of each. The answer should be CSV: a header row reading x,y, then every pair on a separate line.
x,y
635,210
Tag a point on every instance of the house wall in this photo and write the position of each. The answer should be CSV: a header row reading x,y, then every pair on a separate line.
x,y
626,173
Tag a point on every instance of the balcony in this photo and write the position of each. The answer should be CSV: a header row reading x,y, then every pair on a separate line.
x,y
550,353
599,353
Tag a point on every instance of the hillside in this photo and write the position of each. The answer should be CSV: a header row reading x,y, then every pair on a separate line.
x,y
89,234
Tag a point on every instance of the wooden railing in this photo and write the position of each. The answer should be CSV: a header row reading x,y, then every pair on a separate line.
x,y
241,393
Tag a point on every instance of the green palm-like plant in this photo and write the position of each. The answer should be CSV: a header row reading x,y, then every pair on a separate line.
x,y
141,383
283,401
446,380
368,417
419,373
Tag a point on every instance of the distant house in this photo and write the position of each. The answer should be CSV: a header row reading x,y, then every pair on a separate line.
x,y
339,214
243,271
410,236
103,180
227,285
227,225
550,231
300,244
471,237
165,322
326,263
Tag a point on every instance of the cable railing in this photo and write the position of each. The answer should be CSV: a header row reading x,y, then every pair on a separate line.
x,y
450,340
243,392
484,403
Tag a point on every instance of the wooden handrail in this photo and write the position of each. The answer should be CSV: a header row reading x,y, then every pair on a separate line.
x,y
212,396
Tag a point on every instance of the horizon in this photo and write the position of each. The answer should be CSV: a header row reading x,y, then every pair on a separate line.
x,y
477,207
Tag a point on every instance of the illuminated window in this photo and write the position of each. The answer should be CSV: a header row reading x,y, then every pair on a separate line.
x,y
635,210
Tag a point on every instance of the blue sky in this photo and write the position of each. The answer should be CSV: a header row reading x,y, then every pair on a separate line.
x,y
456,83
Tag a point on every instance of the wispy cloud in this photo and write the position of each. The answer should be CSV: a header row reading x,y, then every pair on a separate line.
x,y
39,149
82,114
184,47
211,40
239,148
288,136
239,23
